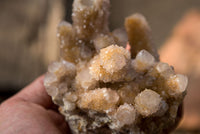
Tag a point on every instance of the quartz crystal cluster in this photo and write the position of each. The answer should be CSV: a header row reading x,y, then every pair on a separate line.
x,y
112,82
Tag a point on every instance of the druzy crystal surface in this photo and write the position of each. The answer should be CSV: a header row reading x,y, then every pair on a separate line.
x,y
112,82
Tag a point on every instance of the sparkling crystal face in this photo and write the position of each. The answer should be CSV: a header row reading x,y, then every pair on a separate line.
x,y
103,86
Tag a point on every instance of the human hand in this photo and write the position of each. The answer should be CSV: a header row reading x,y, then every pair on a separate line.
x,y
31,111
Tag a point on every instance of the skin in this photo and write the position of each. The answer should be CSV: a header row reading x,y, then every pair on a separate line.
x,y
31,111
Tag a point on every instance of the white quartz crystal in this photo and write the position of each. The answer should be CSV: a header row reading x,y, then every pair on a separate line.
x,y
148,102
177,84
143,60
125,115
85,80
164,69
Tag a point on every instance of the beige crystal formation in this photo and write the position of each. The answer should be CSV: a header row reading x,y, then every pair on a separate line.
x,y
102,87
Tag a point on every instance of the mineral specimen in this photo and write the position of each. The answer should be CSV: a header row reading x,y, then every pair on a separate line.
x,y
102,87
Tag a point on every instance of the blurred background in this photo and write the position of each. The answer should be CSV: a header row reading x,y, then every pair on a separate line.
x,y
28,42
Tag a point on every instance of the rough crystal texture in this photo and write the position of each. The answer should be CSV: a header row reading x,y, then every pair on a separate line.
x,y
99,99
124,115
143,60
147,102
103,86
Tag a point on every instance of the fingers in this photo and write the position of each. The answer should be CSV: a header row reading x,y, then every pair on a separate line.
x,y
128,47
59,121
56,117
35,93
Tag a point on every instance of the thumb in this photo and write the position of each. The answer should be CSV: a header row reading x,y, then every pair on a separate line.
x,y
35,93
